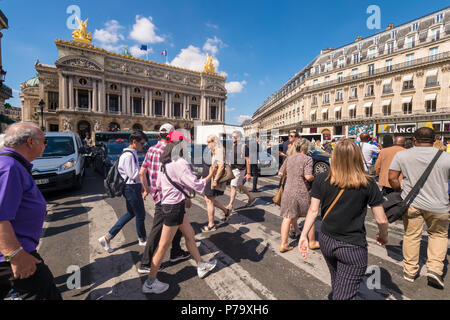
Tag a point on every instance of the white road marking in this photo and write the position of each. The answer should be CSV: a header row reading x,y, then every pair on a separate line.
x,y
229,280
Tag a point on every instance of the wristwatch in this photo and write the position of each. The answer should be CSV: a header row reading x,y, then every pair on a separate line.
x,y
10,256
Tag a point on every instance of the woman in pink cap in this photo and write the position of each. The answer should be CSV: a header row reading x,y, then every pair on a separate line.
x,y
176,182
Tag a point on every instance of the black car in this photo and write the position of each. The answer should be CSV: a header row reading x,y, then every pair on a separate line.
x,y
321,158
106,155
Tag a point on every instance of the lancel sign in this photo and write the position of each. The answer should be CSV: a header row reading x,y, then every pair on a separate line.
x,y
396,129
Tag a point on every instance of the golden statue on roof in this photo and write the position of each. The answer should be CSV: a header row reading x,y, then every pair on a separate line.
x,y
209,67
81,34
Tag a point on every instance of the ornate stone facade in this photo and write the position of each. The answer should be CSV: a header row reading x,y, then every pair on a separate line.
x,y
92,90
398,78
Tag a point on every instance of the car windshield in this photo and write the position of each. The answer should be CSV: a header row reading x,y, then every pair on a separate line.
x,y
59,147
115,148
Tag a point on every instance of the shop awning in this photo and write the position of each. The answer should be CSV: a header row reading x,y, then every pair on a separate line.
x,y
385,103
368,104
406,100
5,119
313,112
430,97
409,77
387,81
325,110
432,73
337,109
352,107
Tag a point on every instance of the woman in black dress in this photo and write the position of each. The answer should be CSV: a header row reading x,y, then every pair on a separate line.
x,y
214,188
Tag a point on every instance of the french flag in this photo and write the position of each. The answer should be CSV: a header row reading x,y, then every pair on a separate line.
x,y
164,53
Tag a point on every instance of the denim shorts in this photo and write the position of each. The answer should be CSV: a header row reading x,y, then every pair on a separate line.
x,y
174,214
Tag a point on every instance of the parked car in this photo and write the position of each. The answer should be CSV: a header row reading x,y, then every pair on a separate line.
x,y
320,157
62,165
107,154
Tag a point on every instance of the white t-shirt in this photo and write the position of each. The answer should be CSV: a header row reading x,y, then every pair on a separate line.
x,y
367,151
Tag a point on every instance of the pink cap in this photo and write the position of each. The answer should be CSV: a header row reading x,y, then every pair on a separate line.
x,y
176,135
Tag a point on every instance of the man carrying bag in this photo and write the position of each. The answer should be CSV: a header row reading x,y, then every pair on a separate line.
x,y
424,190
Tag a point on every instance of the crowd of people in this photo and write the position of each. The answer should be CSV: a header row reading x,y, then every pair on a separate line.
x,y
361,174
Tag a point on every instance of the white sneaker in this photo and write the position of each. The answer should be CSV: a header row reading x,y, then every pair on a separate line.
x,y
156,287
204,267
142,243
105,244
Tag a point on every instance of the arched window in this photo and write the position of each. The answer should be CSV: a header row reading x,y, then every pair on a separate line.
x,y
113,87
137,126
113,127
157,127
82,81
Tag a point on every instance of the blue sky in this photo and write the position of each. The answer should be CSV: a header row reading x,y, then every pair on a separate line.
x,y
258,45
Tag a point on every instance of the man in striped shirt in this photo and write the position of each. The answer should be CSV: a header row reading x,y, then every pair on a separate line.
x,y
152,165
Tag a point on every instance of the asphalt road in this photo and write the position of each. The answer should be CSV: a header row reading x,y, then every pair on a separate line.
x,y
250,266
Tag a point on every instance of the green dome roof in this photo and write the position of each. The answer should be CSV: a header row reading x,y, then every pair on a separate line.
x,y
33,82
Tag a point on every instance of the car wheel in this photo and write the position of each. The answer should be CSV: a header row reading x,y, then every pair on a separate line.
x,y
78,183
321,167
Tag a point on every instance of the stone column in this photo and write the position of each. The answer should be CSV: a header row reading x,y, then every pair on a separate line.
x,y
208,102
71,93
170,106
60,89
63,92
150,102
166,105
202,108
107,103
95,97
145,106
90,100
76,98
123,101
101,96
129,111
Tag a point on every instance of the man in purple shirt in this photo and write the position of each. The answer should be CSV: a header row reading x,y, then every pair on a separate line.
x,y
22,213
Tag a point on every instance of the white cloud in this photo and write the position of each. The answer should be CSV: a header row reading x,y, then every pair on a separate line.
x,y
235,86
229,109
223,74
246,74
212,26
137,52
110,34
144,31
213,45
192,58
242,118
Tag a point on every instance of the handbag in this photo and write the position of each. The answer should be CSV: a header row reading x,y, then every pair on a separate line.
x,y
279,195
227,174
394,206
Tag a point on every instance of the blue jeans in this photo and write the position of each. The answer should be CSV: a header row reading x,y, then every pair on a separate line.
x,y
135,208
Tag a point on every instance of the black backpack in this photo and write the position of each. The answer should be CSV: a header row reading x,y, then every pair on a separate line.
x,y
114,183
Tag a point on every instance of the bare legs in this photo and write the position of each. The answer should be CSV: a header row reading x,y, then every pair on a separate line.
x,y
211,204
285,227
233,195
167,235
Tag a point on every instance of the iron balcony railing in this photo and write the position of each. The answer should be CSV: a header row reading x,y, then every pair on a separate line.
x,y
361,76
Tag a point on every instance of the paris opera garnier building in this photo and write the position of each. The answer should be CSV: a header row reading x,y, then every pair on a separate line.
x,y
92,90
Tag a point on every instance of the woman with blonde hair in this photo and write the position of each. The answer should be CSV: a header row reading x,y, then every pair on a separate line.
x,y
298,168
342,196
214,188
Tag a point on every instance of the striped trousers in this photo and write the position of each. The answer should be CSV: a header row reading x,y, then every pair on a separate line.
x,y
347,264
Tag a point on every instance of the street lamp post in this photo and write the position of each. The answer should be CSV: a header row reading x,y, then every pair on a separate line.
x,y
41,105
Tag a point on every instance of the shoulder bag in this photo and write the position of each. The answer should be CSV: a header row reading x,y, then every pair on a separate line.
x,y
333,203
176,185
394,206
279,195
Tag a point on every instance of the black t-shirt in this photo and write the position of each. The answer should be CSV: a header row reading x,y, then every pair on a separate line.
x,y
345,222
240,152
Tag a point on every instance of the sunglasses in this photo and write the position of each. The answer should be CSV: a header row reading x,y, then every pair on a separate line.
x,y
292,136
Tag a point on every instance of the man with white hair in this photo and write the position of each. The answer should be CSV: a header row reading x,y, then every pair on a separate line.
x,y
22,213
240,164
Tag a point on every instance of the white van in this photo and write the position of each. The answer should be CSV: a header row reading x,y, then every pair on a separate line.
x,y
62,163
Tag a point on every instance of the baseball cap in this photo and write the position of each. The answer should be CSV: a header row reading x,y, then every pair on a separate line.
x,y
166,128
176,135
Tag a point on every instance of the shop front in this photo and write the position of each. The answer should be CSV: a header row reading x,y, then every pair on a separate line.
x,y
441,128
